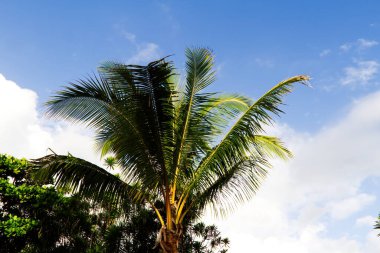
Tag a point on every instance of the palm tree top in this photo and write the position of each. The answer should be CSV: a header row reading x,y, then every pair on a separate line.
x,y
185,147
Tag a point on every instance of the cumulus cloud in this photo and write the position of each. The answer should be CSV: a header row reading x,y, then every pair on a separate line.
x,y
303,203
360,74
24,133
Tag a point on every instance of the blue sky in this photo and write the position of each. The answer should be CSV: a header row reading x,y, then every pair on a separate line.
x,y
46,44
257,43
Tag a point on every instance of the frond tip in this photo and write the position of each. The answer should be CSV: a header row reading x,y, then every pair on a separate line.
x,y
304,79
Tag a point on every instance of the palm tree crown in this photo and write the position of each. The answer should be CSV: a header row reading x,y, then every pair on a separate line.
x,y
177,144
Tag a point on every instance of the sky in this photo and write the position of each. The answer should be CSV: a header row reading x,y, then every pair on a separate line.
x,y
326,199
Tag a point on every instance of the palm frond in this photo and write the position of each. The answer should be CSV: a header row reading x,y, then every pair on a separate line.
x,y
129,106
239,139
86,179
217,113
238,184
222,109
153,97
241,180
190,130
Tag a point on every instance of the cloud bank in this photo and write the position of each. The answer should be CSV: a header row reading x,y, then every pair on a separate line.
x,y
25,133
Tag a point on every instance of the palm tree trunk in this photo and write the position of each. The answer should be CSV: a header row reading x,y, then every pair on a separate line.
x,y
170,241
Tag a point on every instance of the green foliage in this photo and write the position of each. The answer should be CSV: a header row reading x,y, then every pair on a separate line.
x,y
13,226
377,224
37,218
12,167
110,162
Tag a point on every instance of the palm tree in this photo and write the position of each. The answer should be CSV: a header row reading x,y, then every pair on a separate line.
x,y
173,143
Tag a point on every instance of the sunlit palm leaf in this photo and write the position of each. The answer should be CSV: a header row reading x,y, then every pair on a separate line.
x,y
241,180
240,138
217,113
190,130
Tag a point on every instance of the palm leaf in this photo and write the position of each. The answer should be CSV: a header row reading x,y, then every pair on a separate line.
x,y
87,179
217,113
129,107
240,138
241,180
189,130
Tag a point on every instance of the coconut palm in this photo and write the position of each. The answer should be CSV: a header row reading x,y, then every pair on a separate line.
x,y
173,142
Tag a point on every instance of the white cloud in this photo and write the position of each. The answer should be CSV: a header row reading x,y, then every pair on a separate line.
x,y
303,202
145,53
308,242
23,133
364,44
367,221
373,244
361,74
346,207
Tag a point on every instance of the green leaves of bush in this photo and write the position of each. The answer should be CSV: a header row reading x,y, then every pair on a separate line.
x,y
14,226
